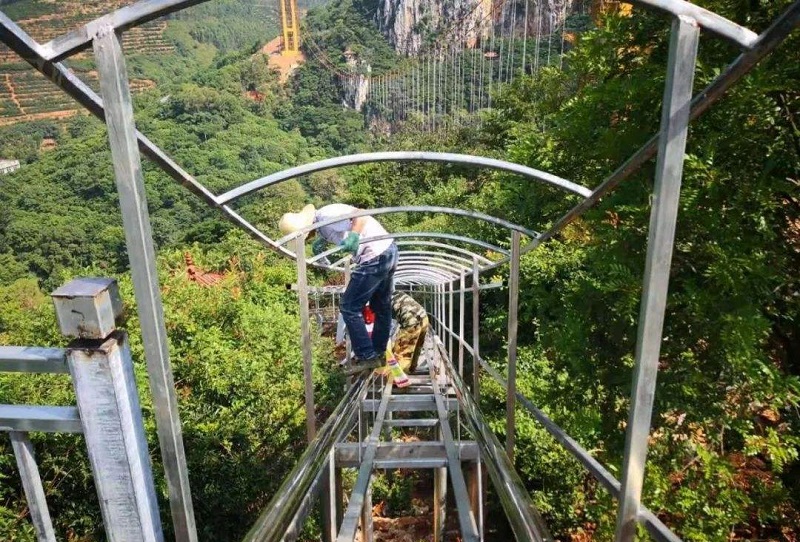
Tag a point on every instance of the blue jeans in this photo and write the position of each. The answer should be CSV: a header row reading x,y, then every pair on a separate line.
x,y
370,281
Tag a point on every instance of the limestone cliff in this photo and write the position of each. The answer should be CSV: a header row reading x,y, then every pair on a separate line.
x,y
355,86
415,25
408,24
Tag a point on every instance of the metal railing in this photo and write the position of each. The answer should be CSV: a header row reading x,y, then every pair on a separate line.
x,y
283,517
107,414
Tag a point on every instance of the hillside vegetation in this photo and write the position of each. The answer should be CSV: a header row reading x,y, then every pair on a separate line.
x,y
723,461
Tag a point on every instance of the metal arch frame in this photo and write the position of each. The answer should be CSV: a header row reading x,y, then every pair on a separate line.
x,y
443,246
401,242
713,22
401,156
403,264
443,257
414,235
448,255
122,19
408,209
412,272
413,281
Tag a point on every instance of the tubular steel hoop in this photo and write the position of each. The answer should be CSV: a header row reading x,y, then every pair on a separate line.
x,y
407,209
444,256
455,269
415,273
410,239
423,255
401,156
443,246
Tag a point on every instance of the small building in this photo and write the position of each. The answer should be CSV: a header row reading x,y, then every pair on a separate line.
x,y
7,166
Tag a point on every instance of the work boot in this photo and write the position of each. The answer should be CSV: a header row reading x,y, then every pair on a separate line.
x,y
360,365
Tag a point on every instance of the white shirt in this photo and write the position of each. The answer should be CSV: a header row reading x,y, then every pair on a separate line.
x,y
335,233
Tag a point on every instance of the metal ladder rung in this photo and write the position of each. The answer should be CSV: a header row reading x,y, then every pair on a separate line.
x,y
419,422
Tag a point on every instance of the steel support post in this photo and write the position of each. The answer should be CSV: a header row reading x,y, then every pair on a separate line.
x,y
367,529
329,502
669,170
305,337
440,498
101,367
513,314
477,492
338,492
441,312
32,485
139,241
108,403
477,488
461,295
476,336
450,321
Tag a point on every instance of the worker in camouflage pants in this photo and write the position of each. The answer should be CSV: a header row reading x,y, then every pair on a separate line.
x,y
412,320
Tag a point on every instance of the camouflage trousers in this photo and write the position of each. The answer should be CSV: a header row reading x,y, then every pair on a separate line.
x,y
408,345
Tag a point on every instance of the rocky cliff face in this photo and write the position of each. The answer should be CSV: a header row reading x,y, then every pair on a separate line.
x,y
355,87
409,24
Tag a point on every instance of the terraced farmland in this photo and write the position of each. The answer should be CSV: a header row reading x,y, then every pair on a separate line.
x,y
26,95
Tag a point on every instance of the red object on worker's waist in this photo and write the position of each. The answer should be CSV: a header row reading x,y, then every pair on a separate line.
x,y
369,316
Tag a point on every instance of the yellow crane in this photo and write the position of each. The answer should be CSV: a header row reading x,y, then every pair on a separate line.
x,y
290,25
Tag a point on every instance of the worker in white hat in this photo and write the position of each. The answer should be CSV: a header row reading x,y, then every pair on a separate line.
x,y
371,280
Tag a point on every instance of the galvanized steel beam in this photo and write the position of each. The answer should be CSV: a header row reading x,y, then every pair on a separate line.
x,y
402,156
666,195
32,359
466,519
347,531
32,486
48,419
408,209
139,241
523,517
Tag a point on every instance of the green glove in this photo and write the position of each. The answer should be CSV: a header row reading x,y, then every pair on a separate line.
x,y
319,245
350,243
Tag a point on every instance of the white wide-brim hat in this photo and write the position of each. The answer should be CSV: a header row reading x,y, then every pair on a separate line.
x,y
291,222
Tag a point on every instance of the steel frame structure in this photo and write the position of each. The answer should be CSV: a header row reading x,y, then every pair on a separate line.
x,y
435,272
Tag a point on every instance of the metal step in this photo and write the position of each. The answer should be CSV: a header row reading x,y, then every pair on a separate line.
x,y
405,455
419,422
410,403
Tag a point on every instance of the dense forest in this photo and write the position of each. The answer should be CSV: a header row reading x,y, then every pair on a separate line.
x,y
723,461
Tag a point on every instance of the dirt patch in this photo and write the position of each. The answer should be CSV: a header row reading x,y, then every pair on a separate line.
x,y
284,63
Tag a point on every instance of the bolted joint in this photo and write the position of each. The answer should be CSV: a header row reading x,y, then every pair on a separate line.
x,y
87,308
